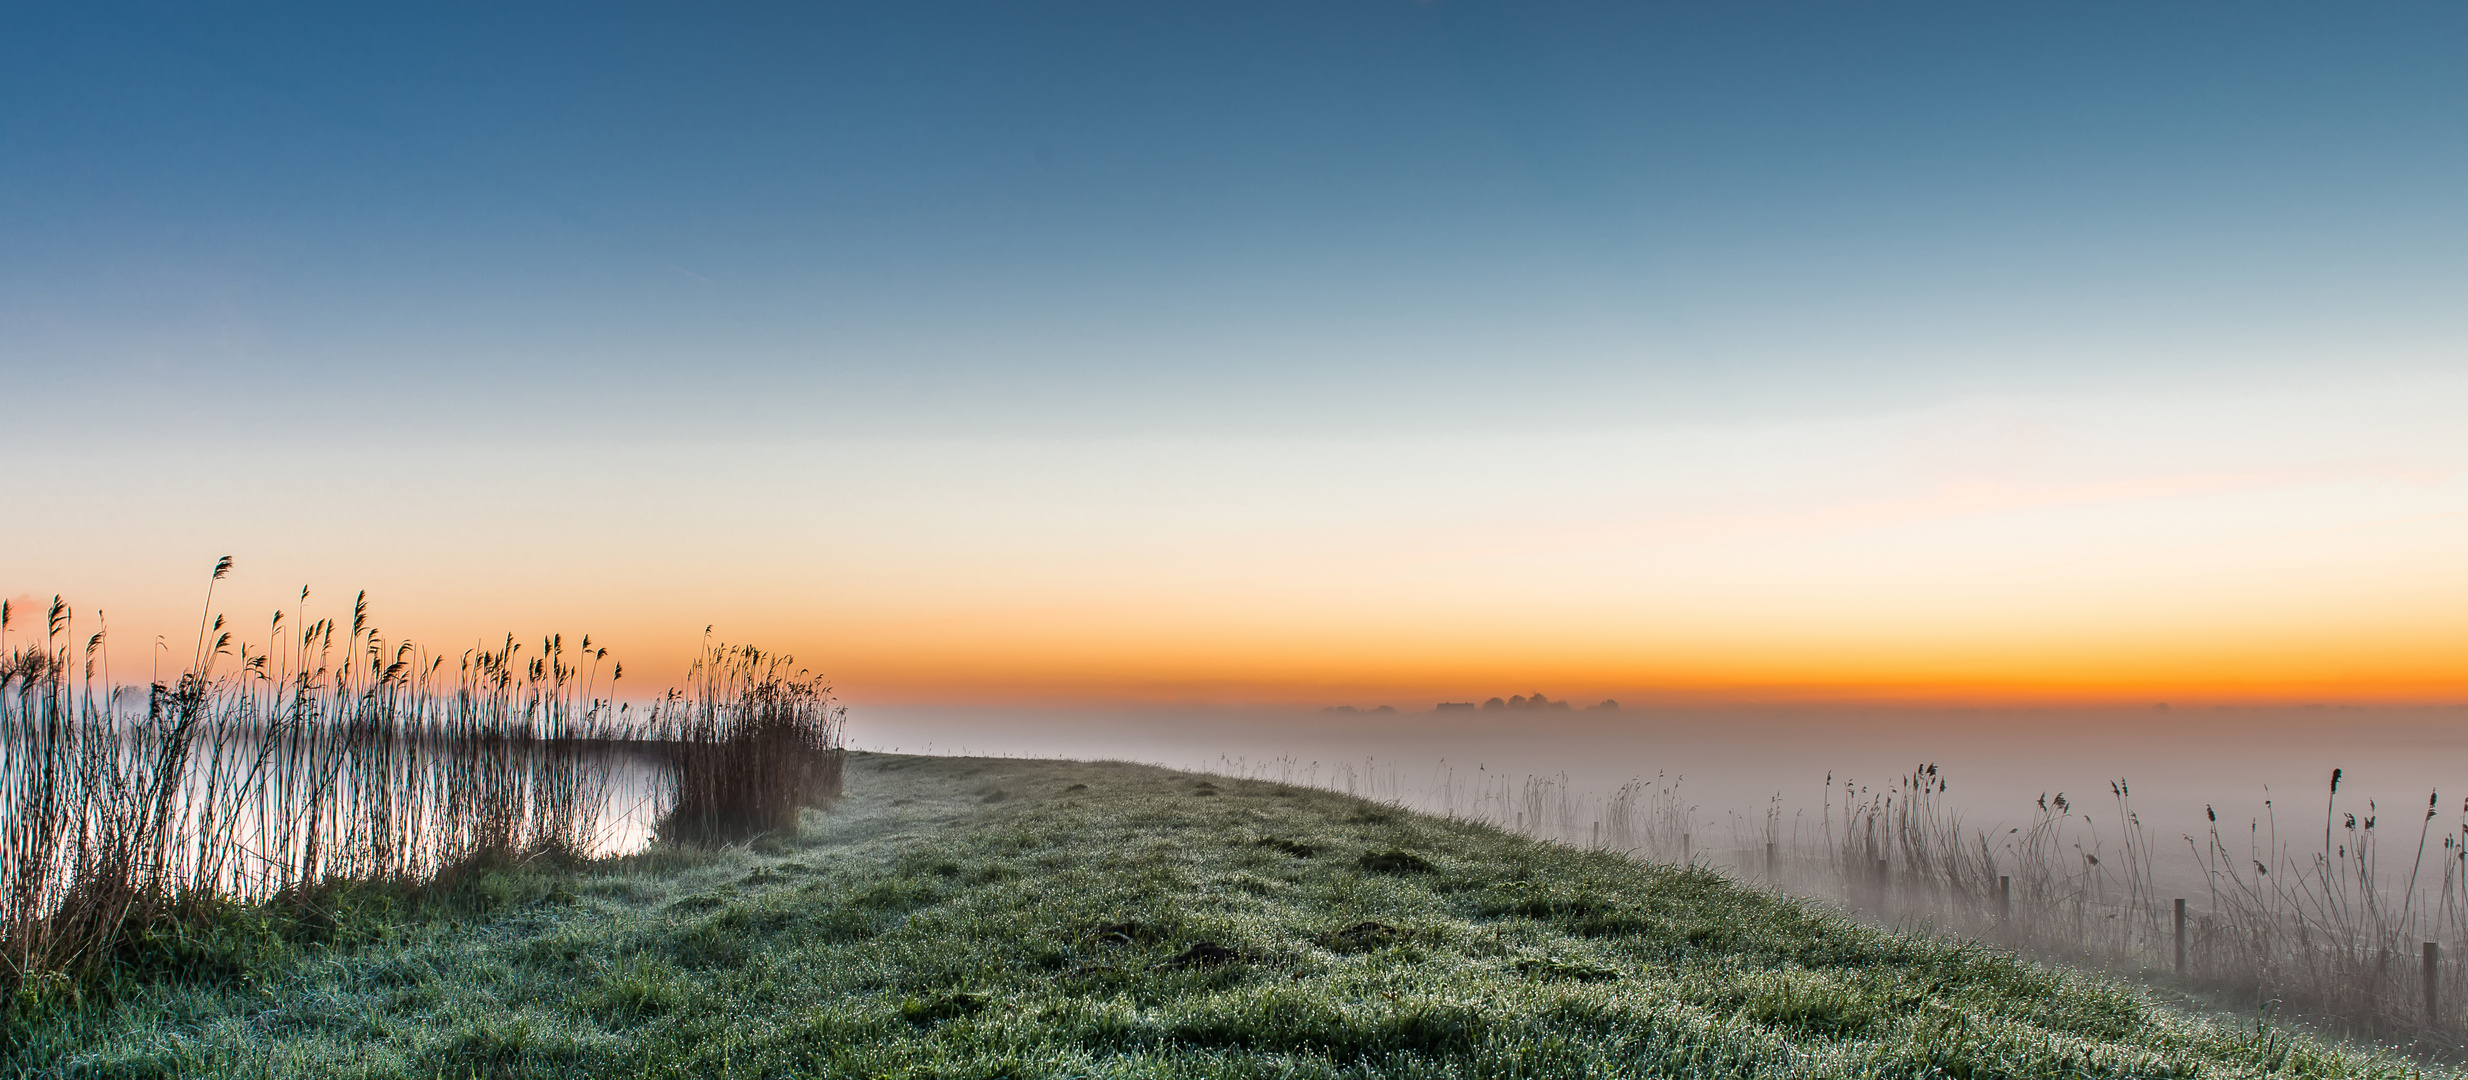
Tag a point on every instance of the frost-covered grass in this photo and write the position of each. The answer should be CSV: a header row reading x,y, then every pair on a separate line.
x,y
978,918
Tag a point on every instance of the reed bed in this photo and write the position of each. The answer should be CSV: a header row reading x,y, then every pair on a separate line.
x,y
752,739
330,753
2269,919
2322,924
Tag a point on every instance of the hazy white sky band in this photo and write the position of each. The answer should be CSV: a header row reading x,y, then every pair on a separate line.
x,y
2301,539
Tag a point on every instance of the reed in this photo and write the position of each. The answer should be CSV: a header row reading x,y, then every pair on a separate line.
x,y
328,752
752,739
2332,934
2335,934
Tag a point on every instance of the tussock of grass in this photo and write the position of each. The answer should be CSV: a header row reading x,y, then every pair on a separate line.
x,y
1123,928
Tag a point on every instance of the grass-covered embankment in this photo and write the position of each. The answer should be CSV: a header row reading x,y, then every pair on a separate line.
x,y
965,918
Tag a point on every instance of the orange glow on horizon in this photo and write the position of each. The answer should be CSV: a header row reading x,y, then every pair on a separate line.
x,y
1088,657
1979,555
1757,680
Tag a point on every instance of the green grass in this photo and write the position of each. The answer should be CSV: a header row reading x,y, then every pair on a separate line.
x,y
976,918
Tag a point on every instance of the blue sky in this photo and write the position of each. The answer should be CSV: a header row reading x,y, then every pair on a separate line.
x,y
1100,287
1145,214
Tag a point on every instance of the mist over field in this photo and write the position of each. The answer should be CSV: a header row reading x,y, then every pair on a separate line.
x,y
1730,763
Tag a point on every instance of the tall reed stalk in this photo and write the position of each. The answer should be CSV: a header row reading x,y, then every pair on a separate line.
x,y
752,739
2335,933
332,753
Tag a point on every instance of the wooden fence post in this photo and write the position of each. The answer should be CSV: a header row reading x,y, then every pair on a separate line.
x,y
2180,937
2005,899
2433,965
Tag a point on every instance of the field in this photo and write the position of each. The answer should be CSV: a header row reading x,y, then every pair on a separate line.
x,y
2356,928
978,918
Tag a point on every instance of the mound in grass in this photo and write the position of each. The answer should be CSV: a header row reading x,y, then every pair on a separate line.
x,y
1112,920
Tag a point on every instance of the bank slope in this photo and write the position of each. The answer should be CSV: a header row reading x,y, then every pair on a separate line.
x,y
980,918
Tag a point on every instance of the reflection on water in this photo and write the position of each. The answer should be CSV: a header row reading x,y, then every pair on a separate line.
x,y
331,756
249,811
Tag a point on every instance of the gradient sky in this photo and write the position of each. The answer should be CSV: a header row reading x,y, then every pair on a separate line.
x,y
1266,353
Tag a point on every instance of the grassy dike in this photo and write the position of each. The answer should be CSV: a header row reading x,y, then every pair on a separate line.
x,y
981,918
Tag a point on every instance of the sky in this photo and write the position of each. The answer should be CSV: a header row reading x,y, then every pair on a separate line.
x,y
1294,354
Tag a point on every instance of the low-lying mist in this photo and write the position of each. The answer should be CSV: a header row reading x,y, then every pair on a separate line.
x,y
1736,761
2305,859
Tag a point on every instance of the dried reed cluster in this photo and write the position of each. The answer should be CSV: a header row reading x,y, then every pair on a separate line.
x,y
751,740
2334,933
331,754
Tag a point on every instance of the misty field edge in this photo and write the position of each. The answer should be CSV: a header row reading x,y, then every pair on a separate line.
x,y
984,917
